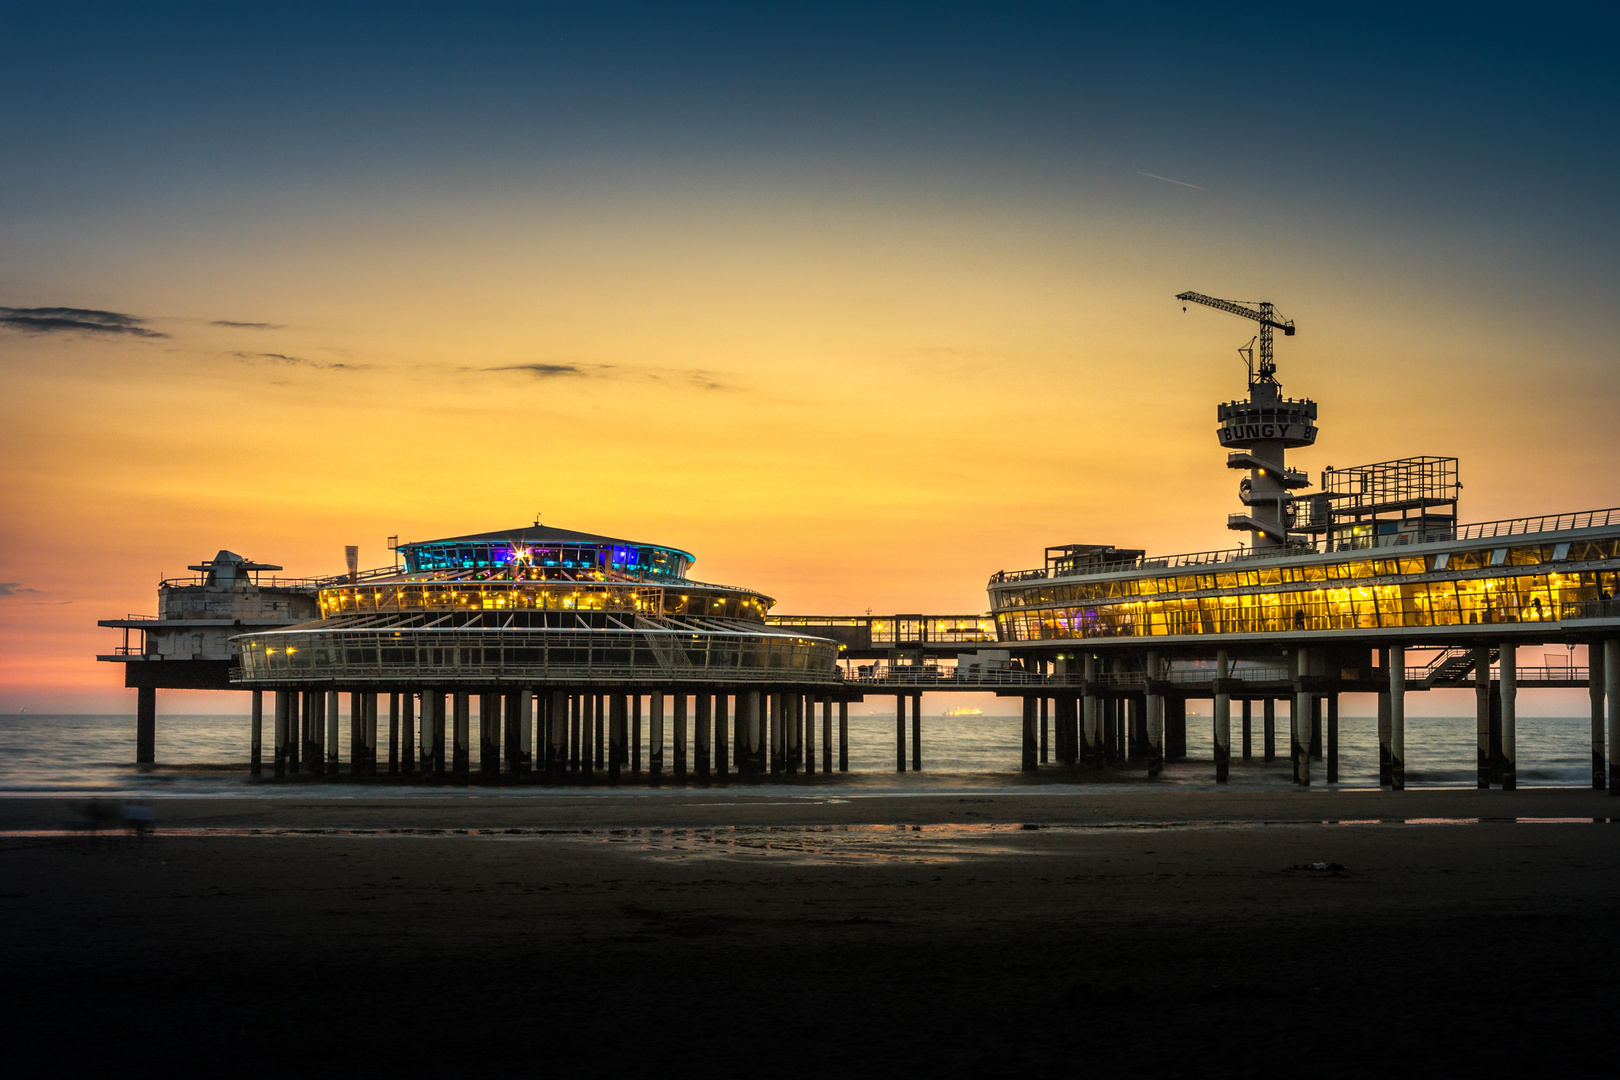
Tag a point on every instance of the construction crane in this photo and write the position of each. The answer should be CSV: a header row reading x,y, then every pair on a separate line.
x,y
1261,314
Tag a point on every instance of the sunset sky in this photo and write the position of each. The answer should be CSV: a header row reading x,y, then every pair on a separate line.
x,y
859,303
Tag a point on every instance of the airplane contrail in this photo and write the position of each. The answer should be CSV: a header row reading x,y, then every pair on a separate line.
x,y
1167,180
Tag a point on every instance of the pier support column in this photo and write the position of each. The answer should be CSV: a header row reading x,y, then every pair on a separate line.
x,y
680,734
618,725
332,719
655,736
635,733
1030,760
1383,734
1300,735
599,731
1594,690
722,734
357,733
393,733
1155,734
1223,717
1175,728
1316,727
1248,730
440,734
426,749
461,734
826,735
1397,718
256,735
145,725
843,736
523,760
407,732
306,721
370,734
749,720
773,701
809,733
278,746
489,735
1090,745
900,730
793,729
589,726
1333,738
1509,761
702,728
557,721
916,732
1611,684
1268,723
1482,717
1045,727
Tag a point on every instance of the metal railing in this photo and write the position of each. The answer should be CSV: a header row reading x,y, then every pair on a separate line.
x,y
1484,530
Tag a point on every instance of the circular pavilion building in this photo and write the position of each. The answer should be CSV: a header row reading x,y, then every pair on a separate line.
x,y
565,627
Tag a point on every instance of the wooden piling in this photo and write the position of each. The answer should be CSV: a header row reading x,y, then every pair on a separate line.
x,y
1300,729
793,729
371,734
826,735
1384,758
393,734
702,728
1316,727
145,725
589,730
1595,696
1248,731
557,713
489,735
357,738
1223,717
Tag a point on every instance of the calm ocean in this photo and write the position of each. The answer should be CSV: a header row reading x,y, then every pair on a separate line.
x,y
207,755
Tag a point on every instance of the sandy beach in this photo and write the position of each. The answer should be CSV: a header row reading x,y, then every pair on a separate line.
x,y
992,934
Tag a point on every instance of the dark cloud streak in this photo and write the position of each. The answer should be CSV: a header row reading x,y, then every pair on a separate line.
x,y
540,371
68,320
248,325
294,361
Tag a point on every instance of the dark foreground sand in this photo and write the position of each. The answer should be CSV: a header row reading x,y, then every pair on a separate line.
x,y
706,932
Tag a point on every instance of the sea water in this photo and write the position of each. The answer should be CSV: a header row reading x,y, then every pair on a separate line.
x,y
207,755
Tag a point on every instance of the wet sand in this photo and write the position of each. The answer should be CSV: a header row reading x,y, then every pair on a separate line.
x,y
804,933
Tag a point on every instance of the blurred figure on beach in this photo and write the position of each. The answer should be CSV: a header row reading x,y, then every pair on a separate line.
x,y
137,819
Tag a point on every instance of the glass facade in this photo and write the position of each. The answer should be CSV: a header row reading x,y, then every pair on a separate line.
x,y
514,608
1526,581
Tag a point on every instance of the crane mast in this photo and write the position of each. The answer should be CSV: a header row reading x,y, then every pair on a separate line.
x,y
1263,314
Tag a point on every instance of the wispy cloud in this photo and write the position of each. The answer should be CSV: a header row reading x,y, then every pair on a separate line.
x,y
294,361
1166,179
13,588
71,320
248,325
696,377
539,371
